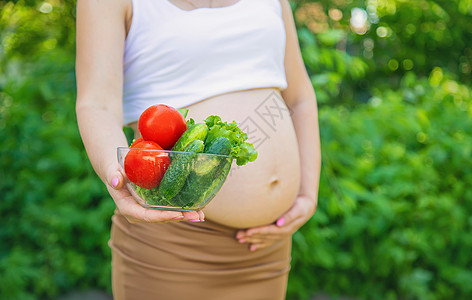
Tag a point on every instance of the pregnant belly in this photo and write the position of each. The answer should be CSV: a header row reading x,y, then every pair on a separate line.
x,y
257,193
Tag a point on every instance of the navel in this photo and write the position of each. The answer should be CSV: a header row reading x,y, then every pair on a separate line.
x,y
274,183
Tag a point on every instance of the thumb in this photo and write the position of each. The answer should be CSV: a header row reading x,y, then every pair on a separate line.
x,y
115,179
286,218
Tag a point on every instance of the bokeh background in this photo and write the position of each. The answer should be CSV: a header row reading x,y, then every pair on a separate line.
x,y
393,80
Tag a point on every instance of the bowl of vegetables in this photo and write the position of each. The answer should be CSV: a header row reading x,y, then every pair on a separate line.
x,y
187,173
176,180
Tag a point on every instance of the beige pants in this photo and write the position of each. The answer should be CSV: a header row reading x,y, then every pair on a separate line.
x,y
187,260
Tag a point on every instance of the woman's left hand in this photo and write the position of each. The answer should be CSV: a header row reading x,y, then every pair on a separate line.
x,y
260,237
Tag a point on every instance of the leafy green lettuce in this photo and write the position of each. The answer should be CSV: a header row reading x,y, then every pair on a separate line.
x,y
241,150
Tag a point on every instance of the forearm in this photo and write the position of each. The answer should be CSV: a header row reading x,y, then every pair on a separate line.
x,y
102,132
305,121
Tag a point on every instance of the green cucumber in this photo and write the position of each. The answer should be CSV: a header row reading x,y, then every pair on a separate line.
x,y
208,174
197,131
151,196
221,146
177,172
215,186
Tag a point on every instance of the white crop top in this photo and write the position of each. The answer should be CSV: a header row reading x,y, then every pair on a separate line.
x,y
178,57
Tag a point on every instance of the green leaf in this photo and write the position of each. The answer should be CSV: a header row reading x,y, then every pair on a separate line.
x,y
241,150
183,111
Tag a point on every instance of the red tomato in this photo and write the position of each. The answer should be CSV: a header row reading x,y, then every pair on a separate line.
x,y
138,140
145,166
162,124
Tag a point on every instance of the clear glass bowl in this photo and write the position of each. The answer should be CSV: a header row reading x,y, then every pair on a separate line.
x,y
206,174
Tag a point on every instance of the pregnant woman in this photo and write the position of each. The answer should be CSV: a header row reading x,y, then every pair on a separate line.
x,y
238,59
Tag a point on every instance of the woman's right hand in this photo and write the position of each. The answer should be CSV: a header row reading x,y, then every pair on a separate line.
x,y
134,212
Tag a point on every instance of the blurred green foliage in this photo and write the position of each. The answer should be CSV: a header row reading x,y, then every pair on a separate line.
x,y
395,205
55,215
391,38
393,82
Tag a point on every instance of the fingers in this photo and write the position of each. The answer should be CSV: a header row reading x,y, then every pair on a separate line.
x,y
201,215
259,246
298,214
281,226
134,212
268,230
264,236
261,234
259,240
194,216
256,242
265,230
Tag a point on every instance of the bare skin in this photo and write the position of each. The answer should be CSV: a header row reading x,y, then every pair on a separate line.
x,y
101,31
